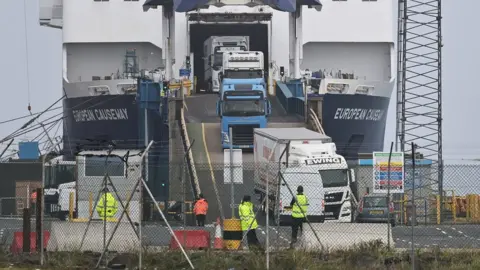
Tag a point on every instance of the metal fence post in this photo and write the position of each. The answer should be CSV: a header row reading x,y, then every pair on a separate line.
x,y
232,187
388,195
267,209
414,210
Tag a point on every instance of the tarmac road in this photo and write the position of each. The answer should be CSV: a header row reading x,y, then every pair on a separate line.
x,y
442,236
204,127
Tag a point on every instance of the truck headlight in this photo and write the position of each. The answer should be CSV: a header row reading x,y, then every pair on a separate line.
x,y
346,206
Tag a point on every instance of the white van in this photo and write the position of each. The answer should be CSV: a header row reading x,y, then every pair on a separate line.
x,y
309,177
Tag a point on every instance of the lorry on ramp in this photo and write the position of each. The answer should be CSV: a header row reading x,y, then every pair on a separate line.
x,y
243,104
214,47
297,153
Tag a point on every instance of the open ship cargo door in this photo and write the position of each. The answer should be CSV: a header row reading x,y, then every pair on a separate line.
x,y
203,24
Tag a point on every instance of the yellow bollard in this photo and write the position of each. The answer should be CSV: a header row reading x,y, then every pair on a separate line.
x,y
195,83
70,205
232,233
274,85
90,204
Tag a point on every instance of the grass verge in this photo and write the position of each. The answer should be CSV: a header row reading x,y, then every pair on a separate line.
x,y
370,256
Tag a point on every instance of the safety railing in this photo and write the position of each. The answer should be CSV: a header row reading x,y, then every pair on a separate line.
x,y
316,124
291,97
190,159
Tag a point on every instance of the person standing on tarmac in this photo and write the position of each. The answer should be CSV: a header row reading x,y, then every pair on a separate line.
x,y
299,206
111,205
248,221
200,210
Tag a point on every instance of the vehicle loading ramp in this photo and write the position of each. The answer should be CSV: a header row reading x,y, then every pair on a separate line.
x,y
203,127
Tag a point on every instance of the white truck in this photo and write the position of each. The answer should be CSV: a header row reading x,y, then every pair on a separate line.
x,y
213,49
60,176
310,158
89,173
243,65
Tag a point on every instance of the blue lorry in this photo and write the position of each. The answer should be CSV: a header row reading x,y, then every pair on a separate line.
x,y
243,106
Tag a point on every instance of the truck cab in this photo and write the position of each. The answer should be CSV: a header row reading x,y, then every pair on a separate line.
x,y
58,174
338,180
214,49
243,106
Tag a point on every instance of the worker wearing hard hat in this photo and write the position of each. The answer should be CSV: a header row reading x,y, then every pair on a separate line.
x,y
109,208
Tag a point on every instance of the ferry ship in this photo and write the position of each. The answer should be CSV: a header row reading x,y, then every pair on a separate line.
x,y
108,43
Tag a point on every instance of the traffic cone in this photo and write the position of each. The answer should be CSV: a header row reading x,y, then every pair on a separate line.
x,y
218,242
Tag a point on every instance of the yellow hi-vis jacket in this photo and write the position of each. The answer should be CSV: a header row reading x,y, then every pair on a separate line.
x,y
300,212
247,216
111,207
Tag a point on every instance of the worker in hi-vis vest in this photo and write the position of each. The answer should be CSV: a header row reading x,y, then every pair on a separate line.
x,y
299,206
200,210
248,221
111,206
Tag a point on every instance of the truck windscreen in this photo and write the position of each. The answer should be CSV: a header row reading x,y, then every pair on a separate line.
x,y
243,74
59,174
218,54
334,178
243,107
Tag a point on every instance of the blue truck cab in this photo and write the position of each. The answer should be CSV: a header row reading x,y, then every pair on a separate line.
x,y
243,105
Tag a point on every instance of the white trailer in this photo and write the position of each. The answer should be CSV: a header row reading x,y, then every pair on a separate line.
x,y
91,170
213,49
307,151
243,65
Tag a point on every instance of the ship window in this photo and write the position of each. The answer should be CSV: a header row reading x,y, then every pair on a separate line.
x,y
95,166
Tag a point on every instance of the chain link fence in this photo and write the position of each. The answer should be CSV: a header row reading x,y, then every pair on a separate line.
x,y
344,208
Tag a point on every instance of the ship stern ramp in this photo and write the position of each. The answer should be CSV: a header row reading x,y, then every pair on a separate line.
x,y
203,127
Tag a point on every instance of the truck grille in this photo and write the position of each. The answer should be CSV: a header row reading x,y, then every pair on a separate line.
x,y
332,211
333,197
242,134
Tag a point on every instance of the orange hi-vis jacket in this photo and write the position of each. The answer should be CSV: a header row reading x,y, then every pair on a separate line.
x,y
201,207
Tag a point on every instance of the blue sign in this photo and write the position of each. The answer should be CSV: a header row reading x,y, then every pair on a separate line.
x,y
409,180
185,72
384,175
28,150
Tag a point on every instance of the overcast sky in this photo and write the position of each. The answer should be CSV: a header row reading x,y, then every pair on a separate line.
x,y
460,64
